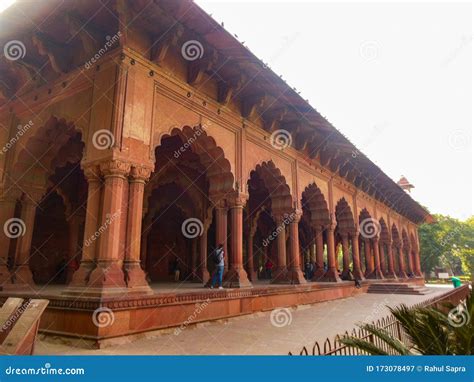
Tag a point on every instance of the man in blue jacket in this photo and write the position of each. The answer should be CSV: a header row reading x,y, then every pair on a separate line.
x,y
218,258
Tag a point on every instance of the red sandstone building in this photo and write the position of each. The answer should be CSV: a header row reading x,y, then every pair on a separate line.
x,y
137,135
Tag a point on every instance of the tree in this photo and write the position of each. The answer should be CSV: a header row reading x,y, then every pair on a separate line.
x,y
447,243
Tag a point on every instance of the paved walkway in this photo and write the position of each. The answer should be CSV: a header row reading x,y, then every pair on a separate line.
x,y
258,333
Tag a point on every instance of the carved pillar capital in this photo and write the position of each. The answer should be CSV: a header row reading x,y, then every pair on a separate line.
x,y
237,200
115,168
140,173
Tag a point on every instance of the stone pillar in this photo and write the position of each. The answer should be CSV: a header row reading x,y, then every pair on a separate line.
x,y
22,273
236,277
221,230
345,256
378,269
251,272
8,232
108,276
369,264
74,225
203,273
358,275
294,268
280,272
135,277
401,261
391,264
410,260
319,271
331,274
383,265
195,261
91,239
418,272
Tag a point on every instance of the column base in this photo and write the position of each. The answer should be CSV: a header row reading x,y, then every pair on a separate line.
x,y
319,275
347,275
379,275
358,275
331,276
236,278
23,276
296,276
107,275
135,278
252,275
418,274
81,276
402,275
391,275
280,276
370,275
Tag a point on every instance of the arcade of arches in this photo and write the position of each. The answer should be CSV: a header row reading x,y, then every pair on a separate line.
x,y
115,226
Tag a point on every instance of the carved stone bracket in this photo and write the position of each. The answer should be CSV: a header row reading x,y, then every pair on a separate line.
x,y
60,55
197,68
162,45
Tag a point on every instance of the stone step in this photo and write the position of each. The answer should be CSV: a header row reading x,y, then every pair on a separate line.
x,y
398,288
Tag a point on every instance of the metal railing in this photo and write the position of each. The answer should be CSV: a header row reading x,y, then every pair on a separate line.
x,y
388,323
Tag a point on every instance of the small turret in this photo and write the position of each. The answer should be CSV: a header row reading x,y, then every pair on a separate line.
x,y
405,184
